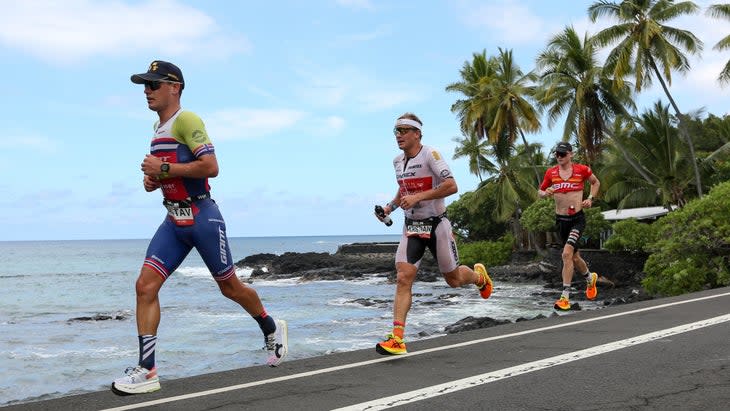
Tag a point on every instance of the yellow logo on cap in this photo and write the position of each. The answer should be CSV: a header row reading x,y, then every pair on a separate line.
x,y
153,66
436,155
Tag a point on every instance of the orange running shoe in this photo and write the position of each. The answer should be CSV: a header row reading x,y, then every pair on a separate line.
x,y
486,290
591,289
562,304
393,345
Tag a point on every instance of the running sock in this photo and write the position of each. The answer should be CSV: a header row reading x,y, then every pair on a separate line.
x,y
266,323
587,275
399,329
147,345
566,291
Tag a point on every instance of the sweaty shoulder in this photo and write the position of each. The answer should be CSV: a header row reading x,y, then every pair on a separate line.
x,y
189,127
583,169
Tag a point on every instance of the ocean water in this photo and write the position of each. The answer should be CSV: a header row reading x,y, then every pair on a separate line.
x,y
44,284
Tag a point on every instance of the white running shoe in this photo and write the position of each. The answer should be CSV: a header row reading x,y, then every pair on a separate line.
x,y
277,344
139,380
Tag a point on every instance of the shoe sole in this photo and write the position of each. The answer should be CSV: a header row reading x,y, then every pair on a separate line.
x,y
145,388
381,350
283,328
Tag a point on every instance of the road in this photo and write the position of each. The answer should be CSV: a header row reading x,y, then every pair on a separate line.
x,y
669,353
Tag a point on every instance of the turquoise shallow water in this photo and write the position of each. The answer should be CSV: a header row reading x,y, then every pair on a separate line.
x,y
46,283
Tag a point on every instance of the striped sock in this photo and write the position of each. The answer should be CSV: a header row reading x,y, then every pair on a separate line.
x,y
399,329
147,345
266,323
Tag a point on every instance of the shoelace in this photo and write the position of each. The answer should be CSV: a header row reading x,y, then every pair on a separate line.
x,y
393,337
270,342
133,370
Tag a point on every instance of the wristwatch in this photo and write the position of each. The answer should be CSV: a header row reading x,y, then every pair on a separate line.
x,y
165,168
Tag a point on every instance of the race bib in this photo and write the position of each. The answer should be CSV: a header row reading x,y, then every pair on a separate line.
x,y
181,213
422,229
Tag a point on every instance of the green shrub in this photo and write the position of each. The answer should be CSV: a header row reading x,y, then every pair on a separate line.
x,y
489,253
693,248
539,217
631,235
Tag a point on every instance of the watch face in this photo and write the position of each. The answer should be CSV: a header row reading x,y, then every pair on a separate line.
x,y
165,167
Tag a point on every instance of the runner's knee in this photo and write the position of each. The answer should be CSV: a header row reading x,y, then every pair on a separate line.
x,y
147,286
406,276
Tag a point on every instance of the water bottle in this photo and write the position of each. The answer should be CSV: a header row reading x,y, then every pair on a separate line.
x,y
381,213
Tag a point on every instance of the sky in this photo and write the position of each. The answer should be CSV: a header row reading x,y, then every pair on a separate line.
x,y
299,99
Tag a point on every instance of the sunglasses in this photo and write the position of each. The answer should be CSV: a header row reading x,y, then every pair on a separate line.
x,y
155,85
560,155
403,130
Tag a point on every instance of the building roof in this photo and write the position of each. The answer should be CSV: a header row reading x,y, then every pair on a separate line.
x,y
641,213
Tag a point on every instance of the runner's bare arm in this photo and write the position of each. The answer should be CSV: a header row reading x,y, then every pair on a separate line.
x,y
202,167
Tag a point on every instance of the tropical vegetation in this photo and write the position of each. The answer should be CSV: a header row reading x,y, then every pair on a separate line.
x,y
644,156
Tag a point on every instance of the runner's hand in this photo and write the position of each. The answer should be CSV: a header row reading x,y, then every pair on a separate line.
x,y
150,183
151,165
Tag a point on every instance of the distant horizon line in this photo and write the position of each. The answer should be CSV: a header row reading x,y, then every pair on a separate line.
x,y
230,237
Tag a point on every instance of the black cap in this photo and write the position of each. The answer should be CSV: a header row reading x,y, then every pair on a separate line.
x,y
563,147
160,71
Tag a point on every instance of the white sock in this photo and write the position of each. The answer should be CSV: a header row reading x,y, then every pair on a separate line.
x,y
566,291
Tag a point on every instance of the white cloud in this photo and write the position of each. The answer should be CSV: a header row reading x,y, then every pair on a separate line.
x,y
25,142
325,127
245,123
506,20
349,40
357,4
75,30
354,88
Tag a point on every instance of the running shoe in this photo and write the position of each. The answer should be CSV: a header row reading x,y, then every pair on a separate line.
x,y
393,345
486,290
138,380
277,344
591,289
562,304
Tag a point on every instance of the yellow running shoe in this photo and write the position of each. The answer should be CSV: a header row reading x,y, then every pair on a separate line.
x,y
591,289
393,345
562,304
486,290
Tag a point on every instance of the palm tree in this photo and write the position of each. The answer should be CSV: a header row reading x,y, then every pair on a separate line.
x,y
722,11
511,183
514,115
473,110
495,101
665,176
646,45
573,84
475,149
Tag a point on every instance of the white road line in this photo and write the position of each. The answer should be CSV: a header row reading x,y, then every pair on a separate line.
x,y
470,382
391,358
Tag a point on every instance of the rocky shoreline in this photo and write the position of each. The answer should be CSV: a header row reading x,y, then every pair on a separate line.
x,y
620,280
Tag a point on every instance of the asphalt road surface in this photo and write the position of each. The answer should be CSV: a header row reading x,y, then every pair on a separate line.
x,y
670,353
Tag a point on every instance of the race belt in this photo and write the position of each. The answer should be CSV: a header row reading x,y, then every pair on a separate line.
x,y
181,211
422,228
